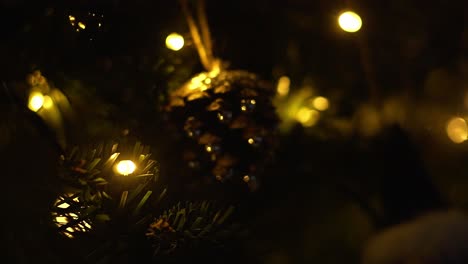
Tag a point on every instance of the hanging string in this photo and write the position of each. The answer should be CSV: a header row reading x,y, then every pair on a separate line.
x,y
202,42
205,29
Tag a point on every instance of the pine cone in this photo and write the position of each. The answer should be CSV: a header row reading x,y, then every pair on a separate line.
x,y
228,124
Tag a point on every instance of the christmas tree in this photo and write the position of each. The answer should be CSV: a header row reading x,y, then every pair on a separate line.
x,y
233,131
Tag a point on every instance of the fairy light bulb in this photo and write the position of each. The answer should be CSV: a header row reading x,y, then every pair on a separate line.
x,y
457,130
350,22
36,101
283,85
125,167
320,103
48,102
174,41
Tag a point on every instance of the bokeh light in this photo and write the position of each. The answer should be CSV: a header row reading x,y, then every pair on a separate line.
x,y
283,86
48,102
174,41
320,103
307,117
457,130
350,22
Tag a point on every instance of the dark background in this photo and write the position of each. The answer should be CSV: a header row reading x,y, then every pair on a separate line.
x,y
327,191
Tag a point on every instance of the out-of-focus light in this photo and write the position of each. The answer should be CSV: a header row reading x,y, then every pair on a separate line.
x,y
283,86
251,141
350,22
36,101
307,117
81,25
246,178
320,103
48,102
174,41
457,130
71,18
125,167
209,149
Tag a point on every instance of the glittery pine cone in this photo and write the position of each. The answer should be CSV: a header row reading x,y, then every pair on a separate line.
x,y
228,125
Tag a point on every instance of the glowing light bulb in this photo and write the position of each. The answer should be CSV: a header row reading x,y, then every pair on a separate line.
x,y
350,22
457,130
209,148
307,117
125,167
36,101
48,102
320,103
174,41
283,85
81,25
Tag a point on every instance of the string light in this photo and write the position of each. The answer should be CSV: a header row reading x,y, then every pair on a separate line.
x,y
320,103
283,86
36,101
208,148
89,21
72,20
48,102
457,130
174,41
125,167
81,25
350,21
307,117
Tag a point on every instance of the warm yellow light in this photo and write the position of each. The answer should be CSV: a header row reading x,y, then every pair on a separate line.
x,y
350,21
36,101
126,167
72,18
283,85
209,148
48,102
174,41
251,141
457,130
246,178
307,117
81,25
320,103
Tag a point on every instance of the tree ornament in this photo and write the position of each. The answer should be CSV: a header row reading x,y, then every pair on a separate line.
x,y
226,117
